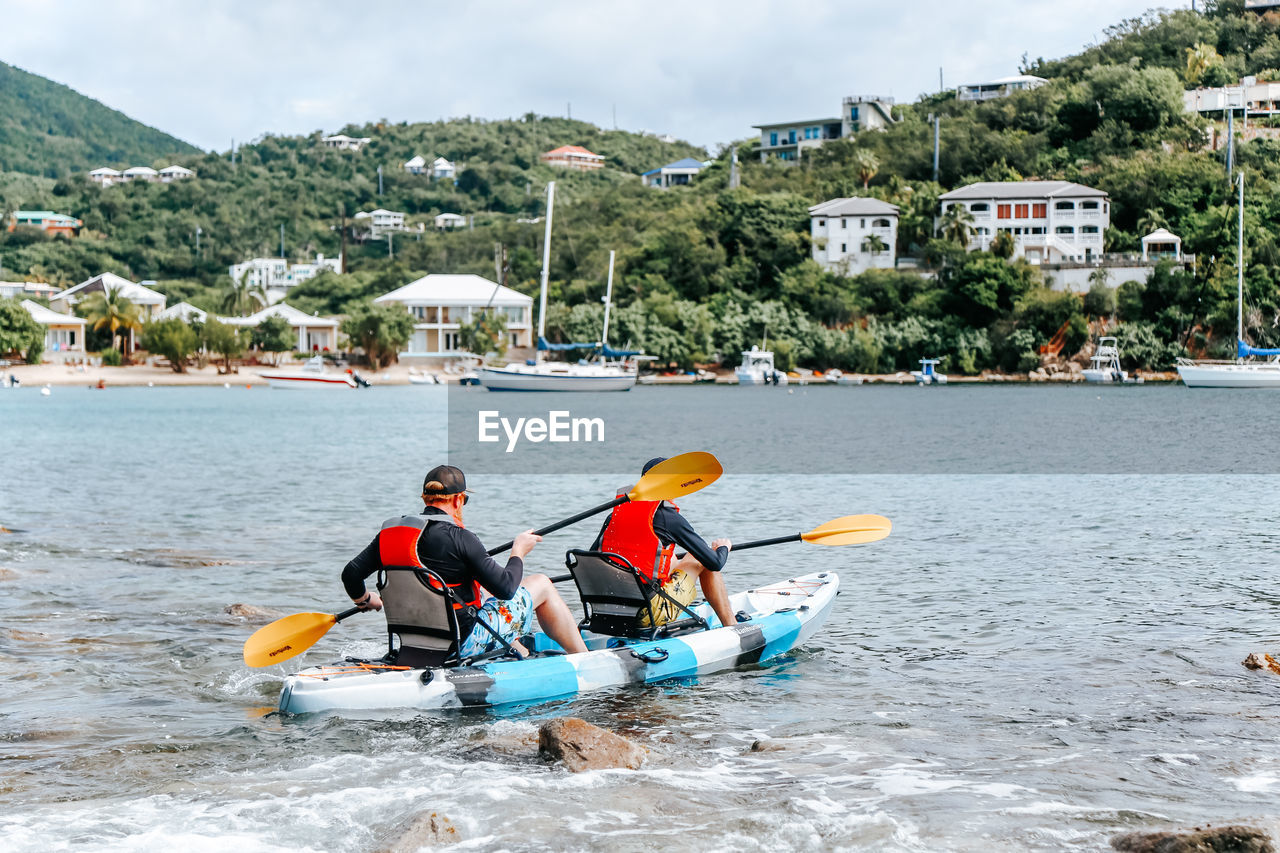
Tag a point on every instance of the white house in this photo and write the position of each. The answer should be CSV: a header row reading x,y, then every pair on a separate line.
x,y
314,333
345,143
105,176
440,304
1257,97
184,311
852,235
139,173
63,332
34,289
1162,244
1000,88
442,168
449,221
788,140
416,166
381,221
1050,221
677,174
149,301
169,174
277,275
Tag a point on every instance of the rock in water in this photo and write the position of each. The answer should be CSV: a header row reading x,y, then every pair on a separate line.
x,y
582,746
1224,839
429,829
1265,661
252,612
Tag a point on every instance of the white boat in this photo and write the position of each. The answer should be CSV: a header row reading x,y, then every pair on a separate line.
x,y
539,374
1241,373
1105,364
312,374
838,377
757,369
928,373
417,377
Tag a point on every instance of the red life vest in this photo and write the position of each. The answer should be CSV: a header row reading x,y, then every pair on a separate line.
x,y
398,546
630,534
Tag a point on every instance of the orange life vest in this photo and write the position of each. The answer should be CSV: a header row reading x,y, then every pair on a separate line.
x,y
398,547
630,534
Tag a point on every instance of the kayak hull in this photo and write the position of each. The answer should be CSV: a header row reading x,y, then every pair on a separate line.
x,y
784,616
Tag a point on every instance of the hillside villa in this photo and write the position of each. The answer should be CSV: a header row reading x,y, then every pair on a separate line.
x,y
139,173
169,174
277,275
439,168
999,88
345,143
184,311
381,221
677,174
573,157
46,220
788,140
1050,221
313,333
440,304
64,333
448,221
846,231
107,176
1253,97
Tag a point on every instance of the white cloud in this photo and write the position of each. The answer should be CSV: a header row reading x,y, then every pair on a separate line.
x,y
705,71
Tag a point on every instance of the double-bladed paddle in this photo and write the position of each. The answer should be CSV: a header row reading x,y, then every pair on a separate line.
x,y
678,476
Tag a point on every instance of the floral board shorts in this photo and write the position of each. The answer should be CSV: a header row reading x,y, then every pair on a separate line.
x,y
512,619
679,586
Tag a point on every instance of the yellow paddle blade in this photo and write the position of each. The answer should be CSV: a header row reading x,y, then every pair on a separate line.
x,y
286,638
850,530
678,476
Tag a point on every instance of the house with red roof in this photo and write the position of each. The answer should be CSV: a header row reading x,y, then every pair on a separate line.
x,y
573,157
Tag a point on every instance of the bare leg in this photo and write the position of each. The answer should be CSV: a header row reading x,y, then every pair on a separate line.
x,y
713,588
553,613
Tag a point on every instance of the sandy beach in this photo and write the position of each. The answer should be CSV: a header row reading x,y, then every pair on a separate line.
x,y
35,375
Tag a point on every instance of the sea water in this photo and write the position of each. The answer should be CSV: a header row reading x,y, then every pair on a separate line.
x,y
1043,654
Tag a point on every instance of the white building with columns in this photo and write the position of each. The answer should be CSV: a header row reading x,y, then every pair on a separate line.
x,y
440,304
1050,221
852,235
314,333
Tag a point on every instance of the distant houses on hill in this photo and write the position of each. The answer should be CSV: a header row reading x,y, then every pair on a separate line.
x,y
853,235
449,221
342,142
677,174
276,276
788,140
573,157
47,221
382,221
107,176
439,168
1000,88
1049,221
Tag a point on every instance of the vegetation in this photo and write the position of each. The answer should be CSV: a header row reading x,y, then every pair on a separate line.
x,y
171,338
19,333
486,333
272,335
222,339
109,309
380,330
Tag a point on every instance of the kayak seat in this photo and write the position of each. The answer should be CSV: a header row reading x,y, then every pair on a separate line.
x,y
615,597
420,617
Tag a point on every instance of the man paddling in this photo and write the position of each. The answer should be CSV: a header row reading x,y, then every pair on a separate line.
x,y
646,533
447,548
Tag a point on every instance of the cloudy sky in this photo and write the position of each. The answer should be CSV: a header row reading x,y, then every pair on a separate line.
x,y
704,70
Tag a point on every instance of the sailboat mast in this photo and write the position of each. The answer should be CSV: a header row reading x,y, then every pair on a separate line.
x,y
608,298
546,267
1240,263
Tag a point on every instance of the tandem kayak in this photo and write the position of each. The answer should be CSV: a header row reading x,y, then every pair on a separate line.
x,y
783,615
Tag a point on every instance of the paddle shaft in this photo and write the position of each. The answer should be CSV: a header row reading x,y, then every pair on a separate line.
x,y
344,614
552,528
755,543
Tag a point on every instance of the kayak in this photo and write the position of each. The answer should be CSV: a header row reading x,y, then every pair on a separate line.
x,y
783,616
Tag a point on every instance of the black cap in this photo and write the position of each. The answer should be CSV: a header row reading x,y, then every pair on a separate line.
x,y
444,480
654,461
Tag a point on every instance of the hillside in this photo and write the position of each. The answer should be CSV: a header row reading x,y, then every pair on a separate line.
x,y
704,270
50,129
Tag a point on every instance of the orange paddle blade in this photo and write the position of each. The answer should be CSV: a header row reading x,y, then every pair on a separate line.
x,y
678,476
850,530
286,638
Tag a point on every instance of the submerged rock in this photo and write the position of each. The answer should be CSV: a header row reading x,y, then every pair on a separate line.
x,y
428,829
582,746
252,612
766,746
1224,839
1264,661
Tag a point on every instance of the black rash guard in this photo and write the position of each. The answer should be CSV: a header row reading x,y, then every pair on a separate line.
x,y
671,526
450,551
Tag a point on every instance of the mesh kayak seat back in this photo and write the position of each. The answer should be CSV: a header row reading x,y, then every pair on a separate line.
x,y
616,597
420,615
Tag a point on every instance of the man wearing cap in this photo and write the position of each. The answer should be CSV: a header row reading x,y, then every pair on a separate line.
x,y
447,548
646,533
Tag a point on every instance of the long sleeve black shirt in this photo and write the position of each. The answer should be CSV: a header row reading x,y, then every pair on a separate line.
x,y
450,551
672,527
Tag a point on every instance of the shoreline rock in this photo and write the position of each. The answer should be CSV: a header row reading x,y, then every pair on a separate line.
x,y
1223,839
428,829
582,746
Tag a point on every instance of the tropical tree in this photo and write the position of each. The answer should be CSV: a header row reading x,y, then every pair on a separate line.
x,y
1151,220
242,298
957,224
19,332
1002,245
381,330
110,309
224,340
272,335
487,332
171,338
874,244
866,165
1200,58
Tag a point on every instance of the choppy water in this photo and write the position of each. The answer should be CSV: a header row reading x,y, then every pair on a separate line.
x,y
1031,661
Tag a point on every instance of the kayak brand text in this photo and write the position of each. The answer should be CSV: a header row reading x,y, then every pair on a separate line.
x,y
559,426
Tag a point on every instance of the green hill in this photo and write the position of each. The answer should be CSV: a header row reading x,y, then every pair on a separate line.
x,y
50,129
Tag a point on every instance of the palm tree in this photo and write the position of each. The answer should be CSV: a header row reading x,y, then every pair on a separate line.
x,y
243,298
1151,220
874,244
1200,59
110,309
866,165
957,224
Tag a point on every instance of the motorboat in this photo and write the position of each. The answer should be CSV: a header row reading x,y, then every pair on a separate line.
x,y
1105,364
838,377
757,369
928,373
312,374
421,377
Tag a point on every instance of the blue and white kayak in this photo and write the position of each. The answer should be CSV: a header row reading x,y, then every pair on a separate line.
x,y
783,616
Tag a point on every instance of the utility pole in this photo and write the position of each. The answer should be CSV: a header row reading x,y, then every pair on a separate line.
x,y
735,178
379,180
615,116
233,153
1231,143
568,109
941,86
198,232
342,227
282,239
391,252
937,134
